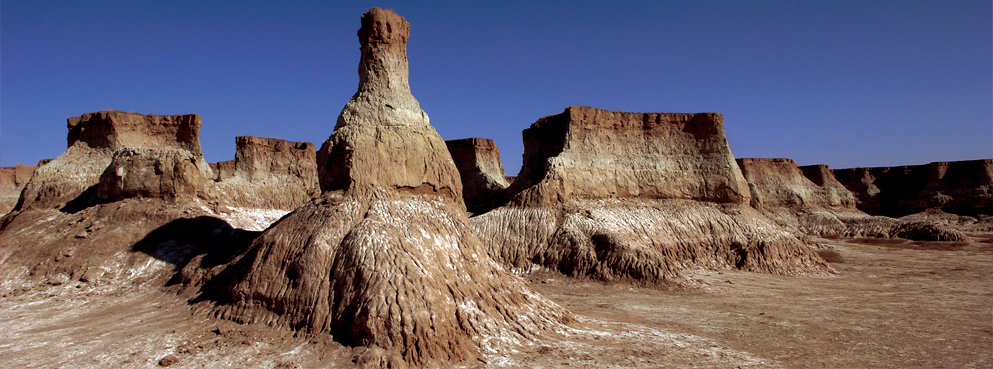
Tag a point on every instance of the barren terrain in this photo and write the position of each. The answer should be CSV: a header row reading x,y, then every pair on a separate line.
x,y
893,304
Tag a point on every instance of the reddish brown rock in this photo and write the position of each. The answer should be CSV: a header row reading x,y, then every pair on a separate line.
x,y
268,173
385,259
170,174
12,181
614,195
959,187
483,182
116,129
112,209
93,138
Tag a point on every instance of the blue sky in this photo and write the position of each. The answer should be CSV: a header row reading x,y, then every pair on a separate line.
x,y
840,83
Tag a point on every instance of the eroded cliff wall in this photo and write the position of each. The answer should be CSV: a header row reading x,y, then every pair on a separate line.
x,y
268,173
616,195
958,187
483,182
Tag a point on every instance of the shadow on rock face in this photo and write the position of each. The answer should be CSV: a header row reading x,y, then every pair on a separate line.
x,y
86,199
195,246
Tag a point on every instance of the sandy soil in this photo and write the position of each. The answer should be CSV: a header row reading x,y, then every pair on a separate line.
x,y
893,304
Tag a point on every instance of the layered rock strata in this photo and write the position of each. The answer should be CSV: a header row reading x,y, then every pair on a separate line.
x,y
959,187
813,201
93,138
784,192
268,173
12,182
616,195
385,259
483,182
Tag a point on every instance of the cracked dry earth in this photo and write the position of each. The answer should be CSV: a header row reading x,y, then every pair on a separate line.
x,y
893,304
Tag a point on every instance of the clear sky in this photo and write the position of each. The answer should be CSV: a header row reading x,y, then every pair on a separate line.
x,y
860,83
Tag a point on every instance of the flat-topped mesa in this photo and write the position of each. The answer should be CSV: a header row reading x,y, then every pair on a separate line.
x,y
958,187
383,120
92,140
385,259
641,196
781,183
268,173
483,181
589,153
112,130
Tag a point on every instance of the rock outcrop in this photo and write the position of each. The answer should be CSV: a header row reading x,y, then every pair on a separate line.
x,y
93,138
170,174
268,173
813,201
12,182
958,187
615,195
385,259
780,183
121,205
483,182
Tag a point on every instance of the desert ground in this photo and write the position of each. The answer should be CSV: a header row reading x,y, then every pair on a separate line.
x,y
893,303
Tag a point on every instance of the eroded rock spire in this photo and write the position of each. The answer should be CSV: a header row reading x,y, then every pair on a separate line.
x,y
386,258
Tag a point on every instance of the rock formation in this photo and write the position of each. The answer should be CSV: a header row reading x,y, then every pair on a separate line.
x,y
958,187
93,138
268,173
483,181
780,183
812,200
12,181
170,174
615,195
385,259
82,216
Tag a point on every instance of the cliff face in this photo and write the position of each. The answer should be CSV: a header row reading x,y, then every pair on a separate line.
x,y
588,153
614,195
385,259
268,173
483,181
813,201
960,187
780,183
170,174
93,138
12,181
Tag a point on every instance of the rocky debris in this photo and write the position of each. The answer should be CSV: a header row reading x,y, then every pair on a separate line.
x,y
93,138
268,173
385,260
168,360
170,174
615,195
12,181
483,182
959,187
